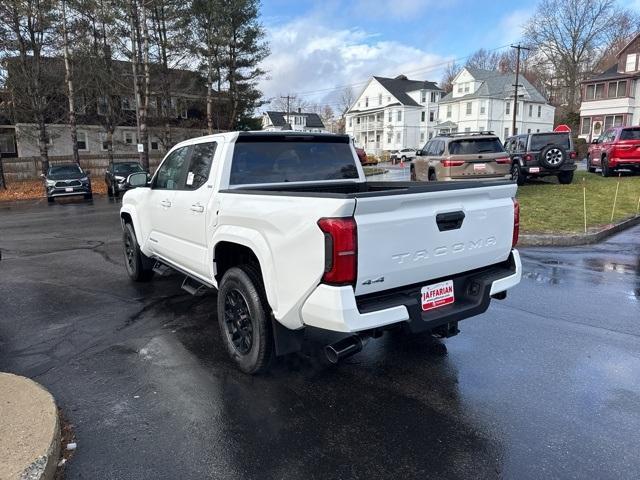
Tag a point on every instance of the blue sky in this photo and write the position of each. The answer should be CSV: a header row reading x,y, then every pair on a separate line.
x,y
320,45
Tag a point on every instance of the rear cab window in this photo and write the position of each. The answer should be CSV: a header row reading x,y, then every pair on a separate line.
x,y
268,159
630,134
471,146
538,142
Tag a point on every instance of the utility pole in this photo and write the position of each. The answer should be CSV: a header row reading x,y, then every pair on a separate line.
x,y
516,85
288,97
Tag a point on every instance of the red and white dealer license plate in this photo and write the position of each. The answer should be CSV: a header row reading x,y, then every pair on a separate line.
x,y
437,295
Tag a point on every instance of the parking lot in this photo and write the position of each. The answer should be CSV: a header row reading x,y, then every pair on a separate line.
x,y
544,385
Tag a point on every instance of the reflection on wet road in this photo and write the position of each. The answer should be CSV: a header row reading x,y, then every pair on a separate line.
x,y
546,384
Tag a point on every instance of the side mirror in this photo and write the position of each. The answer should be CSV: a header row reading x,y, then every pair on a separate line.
x,y
88,172
42,175
137,179
594,141
418,153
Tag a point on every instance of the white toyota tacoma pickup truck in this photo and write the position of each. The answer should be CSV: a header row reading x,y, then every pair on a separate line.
x,y
287,229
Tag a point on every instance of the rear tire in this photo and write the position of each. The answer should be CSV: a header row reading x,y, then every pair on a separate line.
x,y
605,170
50,200
432,176
244,317
565,178
88,196
109,193
517,175
139,266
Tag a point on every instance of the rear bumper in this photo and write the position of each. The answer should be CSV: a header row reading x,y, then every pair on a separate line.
x,y
338,309
545,171
616,162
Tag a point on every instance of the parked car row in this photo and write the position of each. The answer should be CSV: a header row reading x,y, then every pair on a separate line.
x,y
69,179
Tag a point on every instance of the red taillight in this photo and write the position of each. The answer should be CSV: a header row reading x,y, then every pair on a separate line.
x,y
341,250
572,155
503,160
452,163
516,223
528,158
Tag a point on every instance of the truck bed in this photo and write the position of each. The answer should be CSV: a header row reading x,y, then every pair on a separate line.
x,y
360,189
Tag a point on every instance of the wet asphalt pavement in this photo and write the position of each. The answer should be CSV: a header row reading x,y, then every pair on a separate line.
x,y
546,384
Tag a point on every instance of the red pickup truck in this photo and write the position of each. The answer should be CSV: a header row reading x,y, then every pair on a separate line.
x,y
618,147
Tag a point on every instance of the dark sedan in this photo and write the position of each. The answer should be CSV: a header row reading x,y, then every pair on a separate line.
x,y
116,176
65,180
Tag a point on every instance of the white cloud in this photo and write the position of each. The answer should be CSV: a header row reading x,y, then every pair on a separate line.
x,y
308,55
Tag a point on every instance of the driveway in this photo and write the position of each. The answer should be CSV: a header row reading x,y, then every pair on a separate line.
x,y
546,384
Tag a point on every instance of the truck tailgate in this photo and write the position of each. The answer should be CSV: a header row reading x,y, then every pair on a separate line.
x,y
413,238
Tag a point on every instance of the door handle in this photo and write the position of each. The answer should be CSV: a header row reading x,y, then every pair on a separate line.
x,y
196,207
165,203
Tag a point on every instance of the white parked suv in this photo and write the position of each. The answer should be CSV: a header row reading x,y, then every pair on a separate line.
x,y
287,229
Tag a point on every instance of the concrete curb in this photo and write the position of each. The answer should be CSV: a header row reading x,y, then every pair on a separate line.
x,y
570,239
29,430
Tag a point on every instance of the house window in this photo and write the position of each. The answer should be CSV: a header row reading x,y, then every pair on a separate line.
x,y
104,145
507,108
539,111
586,126
430,135
432,115
154,144
128,104
469,104
531,110
366,101
80,104
388,138
466,88
422,136
617,89
515,131
103,105
380,99
351,121
398,137
483,106
358,120
594,92
459,88
506,132
515,107
423,116
128,137
82,141
390,115
399,115
528,130
448,111
612,121
388,98
434,98
467,129
537,130
423,97
631,62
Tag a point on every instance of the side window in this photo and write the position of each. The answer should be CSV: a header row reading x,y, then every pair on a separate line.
x,y
508,145
171,172
439,150
200,165
427,146
521,146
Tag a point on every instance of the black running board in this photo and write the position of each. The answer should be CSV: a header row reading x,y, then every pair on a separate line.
x,y
193,286
190,284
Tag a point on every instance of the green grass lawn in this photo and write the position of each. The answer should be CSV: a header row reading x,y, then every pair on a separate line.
x,y
548,207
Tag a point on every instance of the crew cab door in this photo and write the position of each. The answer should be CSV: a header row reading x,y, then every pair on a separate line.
x,y
192,211
166,181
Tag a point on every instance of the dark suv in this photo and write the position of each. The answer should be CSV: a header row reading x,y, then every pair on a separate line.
x,y
117,174
65,180
540,155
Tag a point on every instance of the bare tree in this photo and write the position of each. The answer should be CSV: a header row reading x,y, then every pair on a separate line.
x,y
139,34
291,102
484,60
26,29
68,77
569,35
450,72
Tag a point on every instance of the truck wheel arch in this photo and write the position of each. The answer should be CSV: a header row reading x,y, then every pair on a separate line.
x,y
228,254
